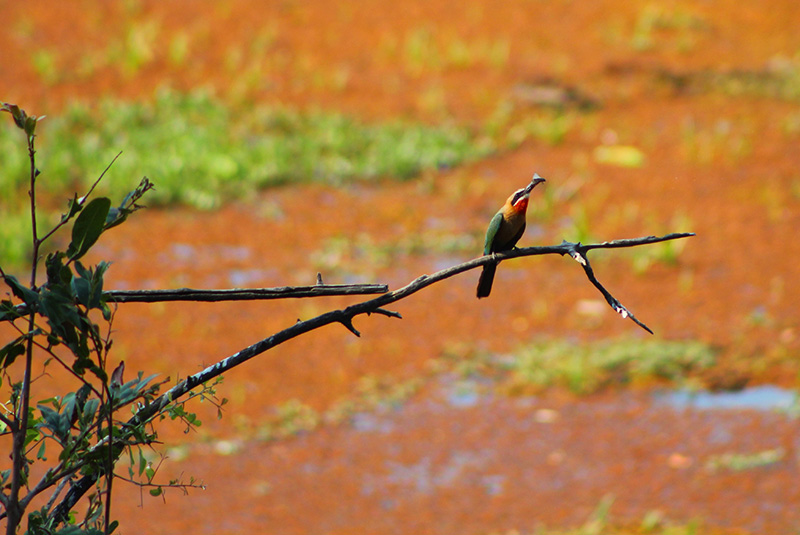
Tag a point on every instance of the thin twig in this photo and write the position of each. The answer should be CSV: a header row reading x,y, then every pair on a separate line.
x,y
18,460
82,200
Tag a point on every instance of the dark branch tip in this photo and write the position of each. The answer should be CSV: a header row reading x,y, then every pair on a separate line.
x,y
384,312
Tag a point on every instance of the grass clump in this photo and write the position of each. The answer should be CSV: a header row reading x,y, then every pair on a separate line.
x,y
294,417
587,368
290,419
737,462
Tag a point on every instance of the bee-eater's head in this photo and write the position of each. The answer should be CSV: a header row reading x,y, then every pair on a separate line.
x,y
519,199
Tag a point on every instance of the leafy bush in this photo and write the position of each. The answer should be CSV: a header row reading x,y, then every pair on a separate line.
x,y
63,325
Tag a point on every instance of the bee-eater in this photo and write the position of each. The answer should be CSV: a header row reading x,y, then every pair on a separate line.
x,y
505,230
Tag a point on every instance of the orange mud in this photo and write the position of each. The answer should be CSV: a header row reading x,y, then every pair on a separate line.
x,y
728,166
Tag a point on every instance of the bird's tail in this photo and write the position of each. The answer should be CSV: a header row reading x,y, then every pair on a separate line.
x,y
486,280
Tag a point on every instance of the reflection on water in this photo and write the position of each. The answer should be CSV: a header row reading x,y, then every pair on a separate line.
x,y
764,398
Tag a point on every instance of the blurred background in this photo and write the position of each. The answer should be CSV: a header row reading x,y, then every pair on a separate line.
x,y
373,142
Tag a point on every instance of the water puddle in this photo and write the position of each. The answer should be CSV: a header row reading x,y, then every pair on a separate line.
x,y
763,398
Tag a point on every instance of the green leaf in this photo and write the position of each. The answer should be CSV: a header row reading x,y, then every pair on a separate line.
x,y
142,462
16,112
88,287
89,409
8,312
30,297
64,318
96,295
57,305
88,227
40,454
156,492
82,271
80,289
10,352
32,436
30,124
57,273
58,423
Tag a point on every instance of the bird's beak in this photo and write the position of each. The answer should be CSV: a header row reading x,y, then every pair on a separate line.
x,y
535,180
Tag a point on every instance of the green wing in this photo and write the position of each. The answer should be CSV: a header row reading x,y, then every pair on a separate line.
x,y
491,232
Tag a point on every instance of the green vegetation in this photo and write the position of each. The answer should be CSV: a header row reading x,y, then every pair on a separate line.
x,y
619,155
290,418
742,461
45,63
179,49
778,79
425,51
726,139
372,393
673,27
514,126
201,153
583,368
588,368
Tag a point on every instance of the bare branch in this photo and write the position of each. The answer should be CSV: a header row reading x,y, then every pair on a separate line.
x,y
242,294
345,317
631,242
610,299
234,294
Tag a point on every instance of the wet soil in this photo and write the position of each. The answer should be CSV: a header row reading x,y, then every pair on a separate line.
x,y
720,161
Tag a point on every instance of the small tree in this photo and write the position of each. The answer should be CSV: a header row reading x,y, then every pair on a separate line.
x,y
65,323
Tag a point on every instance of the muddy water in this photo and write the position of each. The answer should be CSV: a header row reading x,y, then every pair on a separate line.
x,y
447,462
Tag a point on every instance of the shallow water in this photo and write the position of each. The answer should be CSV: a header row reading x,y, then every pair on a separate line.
x,y
763,398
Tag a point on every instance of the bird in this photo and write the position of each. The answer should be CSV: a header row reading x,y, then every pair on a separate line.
x,y
505,230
